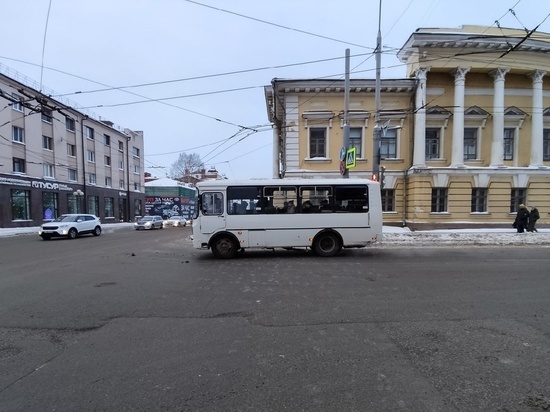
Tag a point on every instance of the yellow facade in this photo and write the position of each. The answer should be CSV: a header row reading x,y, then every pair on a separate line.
x,y
467,135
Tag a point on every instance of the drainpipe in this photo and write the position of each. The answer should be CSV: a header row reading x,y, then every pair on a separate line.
x,y
128,176
84,162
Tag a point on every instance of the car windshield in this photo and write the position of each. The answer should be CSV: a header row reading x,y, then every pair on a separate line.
x,y
147,218
66,219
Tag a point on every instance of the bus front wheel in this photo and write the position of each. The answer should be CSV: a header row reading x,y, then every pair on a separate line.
x,y
225,247
327,244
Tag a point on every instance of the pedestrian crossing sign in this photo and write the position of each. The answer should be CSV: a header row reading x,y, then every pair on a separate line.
x,y
350,158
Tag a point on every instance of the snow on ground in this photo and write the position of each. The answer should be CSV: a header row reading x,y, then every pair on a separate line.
x,y
396,236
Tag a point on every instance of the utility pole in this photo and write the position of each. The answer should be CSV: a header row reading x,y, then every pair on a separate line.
x,y
345,147
377,126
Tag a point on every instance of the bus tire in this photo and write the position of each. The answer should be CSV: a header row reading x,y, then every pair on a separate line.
x,y
224,247
327,244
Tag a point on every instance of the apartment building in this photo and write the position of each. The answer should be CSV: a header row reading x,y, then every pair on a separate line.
x,y
464,137
56,159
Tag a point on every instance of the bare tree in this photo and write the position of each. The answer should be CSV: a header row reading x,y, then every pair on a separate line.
x,y
186,164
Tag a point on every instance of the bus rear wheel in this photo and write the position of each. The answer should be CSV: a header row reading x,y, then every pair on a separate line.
x,y
327,244
224,247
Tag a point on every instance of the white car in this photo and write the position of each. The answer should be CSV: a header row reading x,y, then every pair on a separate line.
x,y
175,221
71,226
149,222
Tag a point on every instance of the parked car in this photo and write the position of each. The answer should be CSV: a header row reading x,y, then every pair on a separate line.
x,y
175,221
71,226
149,222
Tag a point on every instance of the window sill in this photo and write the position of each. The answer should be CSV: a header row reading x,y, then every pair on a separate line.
x,y
479,213
440,213
318,160
392,160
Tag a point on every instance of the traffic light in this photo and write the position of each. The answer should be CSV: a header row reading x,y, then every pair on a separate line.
x,y
382,177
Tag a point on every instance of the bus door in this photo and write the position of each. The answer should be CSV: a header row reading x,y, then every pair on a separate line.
x,y
212,212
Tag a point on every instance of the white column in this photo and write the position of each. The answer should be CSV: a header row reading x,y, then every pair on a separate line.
x,y
537,125
419,152
497,148
457,159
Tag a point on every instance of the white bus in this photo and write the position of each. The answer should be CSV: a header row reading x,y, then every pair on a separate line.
x,y
322,214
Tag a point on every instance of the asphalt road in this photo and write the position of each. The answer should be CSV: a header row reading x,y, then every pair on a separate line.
x,y
140,321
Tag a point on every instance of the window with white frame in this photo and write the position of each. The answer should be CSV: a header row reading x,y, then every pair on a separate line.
x,y
48,170
71,150
106,140
136,169
120,146
72,175
121,184
437,119
433,142
317,142
136,186
47,143
356,140
16,104
17,134
470,143
479,200
107,160
317,124
69,124
135,151
509,137
92,178
121,165
89,132
90,155
108,181
388,144
475,119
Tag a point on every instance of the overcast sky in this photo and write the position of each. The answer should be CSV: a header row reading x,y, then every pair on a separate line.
x,y
190,74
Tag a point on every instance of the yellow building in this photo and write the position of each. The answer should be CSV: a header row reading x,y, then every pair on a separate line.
x,y
465,138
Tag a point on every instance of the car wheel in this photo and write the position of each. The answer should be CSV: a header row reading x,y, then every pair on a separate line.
x,y
327,244
46,237
72,233
97,231
225,247
161,227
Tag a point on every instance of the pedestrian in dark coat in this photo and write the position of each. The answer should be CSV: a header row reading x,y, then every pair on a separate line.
x,y
522,219
533,217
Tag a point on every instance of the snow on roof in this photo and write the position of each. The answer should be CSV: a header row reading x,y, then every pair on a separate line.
x,y
166,182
